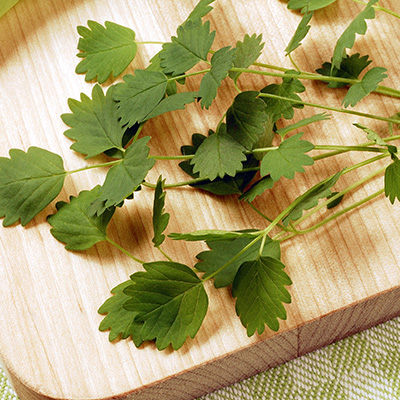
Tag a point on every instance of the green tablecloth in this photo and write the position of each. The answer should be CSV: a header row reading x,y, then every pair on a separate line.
x,y
362,367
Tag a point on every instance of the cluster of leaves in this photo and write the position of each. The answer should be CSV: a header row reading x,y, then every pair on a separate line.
x,y
167,302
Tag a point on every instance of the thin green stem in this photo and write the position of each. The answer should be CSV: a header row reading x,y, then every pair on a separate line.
x,y
259,212
293,62
176,78
107,164
164,254
390,12
125,251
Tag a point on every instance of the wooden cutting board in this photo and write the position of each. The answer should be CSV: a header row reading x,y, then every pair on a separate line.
x,y
346,275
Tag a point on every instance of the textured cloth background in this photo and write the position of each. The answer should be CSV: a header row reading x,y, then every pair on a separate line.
x,y
365,366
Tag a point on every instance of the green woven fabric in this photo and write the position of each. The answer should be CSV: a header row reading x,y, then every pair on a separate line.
x,y
365,366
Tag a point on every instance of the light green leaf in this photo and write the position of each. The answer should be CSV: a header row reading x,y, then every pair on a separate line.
x,y
202,9
259,288
245,118
221,63
119,320
190,46
310,198
348,37
94,123
308,5
160,217
224,251
368,84
247,52
288,159
218,155
257,189
105,50
303,122
73,225
125,177
6,5
209,235
300,33
372,135
169,300
392,180
28,183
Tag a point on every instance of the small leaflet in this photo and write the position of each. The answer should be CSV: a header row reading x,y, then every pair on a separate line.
x,y
300,33
392,180
308,5
160,217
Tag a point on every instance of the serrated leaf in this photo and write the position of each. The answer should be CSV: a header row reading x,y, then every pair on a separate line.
x,y
170,301
310,198
202,9
209,235
308,5
106,50
74,226
372,135
300,33
303,122
94,123
368,84
225,250
125,177
190,46
288,159
278,108
139,95
247,52
245,118
259,288
350,68
257,189
348,37
392,180
221,63
28,183
218,155
160,217
119,320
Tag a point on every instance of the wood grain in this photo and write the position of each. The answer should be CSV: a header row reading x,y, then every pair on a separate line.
x,y
346,275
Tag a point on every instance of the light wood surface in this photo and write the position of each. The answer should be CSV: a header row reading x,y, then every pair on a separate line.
x,y
346,275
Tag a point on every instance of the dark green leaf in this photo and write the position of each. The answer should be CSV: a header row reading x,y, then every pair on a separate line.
x,y
155,65
169,300
300,33
221,63
302,122
94,123
308,5
392,180
245,118
247,52
225,250
73,225
368,84
288,159
210,235
257,189
139,95
335,202
160,217
106,50
119,320
28,183
259,288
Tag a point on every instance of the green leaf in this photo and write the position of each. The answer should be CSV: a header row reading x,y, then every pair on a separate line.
x,y
257,189
372,135
172,103
28,183
350,68
105,50
218,155
247,52
73,225
259,288
288,159
6,5
125,177
119,320
300,33
245,118
160,217
225,250
210,235
94,123
348,37
139,95
310,198
190,46
221,63
308,5
277,108
303,122
169,300
368,84
202,9
392,180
